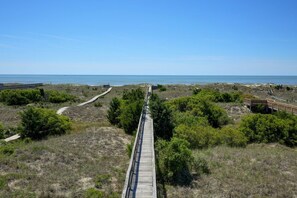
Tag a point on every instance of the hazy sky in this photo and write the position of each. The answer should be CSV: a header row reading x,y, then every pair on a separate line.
x,y
196,37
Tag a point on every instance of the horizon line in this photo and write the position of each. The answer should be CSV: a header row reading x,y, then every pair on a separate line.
x,y
295,75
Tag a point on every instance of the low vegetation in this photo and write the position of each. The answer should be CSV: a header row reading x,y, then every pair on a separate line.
x,y
125,112
216,96
161,87
280,127
38,123
88,161
26,96
187,126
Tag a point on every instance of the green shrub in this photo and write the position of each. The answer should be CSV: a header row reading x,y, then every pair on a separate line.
x,y
130,114
187,118
38,123
26,96
161,87
13,97
291,123
174,160
216,96
232,137
206,136
59,97
126,112
162,116
114,112
198,136
201,107
270,128
133,95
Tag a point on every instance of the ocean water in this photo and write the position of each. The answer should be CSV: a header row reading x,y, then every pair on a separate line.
x,y
116,80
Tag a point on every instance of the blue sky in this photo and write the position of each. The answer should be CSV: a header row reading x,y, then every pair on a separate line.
x,y
189,37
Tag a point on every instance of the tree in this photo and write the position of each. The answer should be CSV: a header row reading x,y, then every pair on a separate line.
x,y
114,111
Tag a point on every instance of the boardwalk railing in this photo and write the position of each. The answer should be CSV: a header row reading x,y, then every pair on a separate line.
x,y
274,106
132,172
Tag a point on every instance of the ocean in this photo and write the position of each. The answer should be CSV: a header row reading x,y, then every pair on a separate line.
x,y
117,80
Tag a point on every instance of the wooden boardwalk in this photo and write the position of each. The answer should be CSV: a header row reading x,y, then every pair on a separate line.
x,y
141,174
272,105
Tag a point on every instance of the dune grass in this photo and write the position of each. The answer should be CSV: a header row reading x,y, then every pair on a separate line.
x,y
259,170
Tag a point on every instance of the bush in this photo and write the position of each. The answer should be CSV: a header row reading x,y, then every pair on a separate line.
x,y
216,96
198,136
161,87
174,160
187,118
114,111
133,95
13,97
38,123
206,136
23,97
162,116
126,113
130,114
59,97
201,107
215,115
281,128
232,137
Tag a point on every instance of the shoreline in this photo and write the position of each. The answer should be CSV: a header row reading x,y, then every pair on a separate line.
x,y
121,80
165,84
